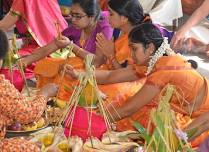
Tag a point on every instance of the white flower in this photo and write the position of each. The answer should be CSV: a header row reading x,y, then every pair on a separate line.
x,y
181,135
164,48
140,149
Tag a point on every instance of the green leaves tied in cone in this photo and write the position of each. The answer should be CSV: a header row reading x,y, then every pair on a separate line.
x,y
88,96
166,136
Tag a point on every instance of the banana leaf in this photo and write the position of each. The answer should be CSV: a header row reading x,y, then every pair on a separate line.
x,y
10,60
158,141
143,132
60,54
191,132
68,89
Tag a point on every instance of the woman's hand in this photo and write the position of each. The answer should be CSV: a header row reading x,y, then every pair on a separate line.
x,y
201,123
49,90
106,46
62,42
178,39
24,61
69,70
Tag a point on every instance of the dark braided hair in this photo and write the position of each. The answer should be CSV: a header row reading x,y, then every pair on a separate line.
x,y
90,7
147,33
131,9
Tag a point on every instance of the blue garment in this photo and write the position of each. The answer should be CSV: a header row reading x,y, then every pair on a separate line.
x,y
65,2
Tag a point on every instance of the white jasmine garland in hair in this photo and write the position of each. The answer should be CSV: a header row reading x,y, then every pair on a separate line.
x,y
164,48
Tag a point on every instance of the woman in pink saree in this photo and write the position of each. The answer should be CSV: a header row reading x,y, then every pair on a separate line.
x,y
36,18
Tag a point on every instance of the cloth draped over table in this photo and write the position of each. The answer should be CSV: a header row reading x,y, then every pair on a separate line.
x,y
163,12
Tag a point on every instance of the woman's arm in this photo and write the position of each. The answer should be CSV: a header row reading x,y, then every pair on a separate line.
x,y
106,76
18,108
80,52
8,21
107,48
46,50
116,76
140,99
196,17
201,123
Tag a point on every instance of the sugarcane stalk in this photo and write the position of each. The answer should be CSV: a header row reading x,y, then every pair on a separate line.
x,y
20,64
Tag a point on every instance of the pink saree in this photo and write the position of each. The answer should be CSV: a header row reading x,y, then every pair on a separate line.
x,y
40,17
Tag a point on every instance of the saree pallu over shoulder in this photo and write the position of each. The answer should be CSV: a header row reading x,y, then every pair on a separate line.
x,y
122,50
40,18
47,71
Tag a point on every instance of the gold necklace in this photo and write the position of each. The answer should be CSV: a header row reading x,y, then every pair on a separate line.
x,y
84,40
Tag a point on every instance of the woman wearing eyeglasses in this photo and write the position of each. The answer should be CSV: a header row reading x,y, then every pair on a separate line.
x,y
87,21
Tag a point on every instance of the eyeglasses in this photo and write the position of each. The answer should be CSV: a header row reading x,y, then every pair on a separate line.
x,y
76,17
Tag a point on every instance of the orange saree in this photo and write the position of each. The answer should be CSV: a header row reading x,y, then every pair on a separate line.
x,y
119,92
122,50
47,71
103,5
176,71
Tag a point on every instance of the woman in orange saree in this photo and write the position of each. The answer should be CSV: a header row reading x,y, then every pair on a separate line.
x,y
122,54
123,16
148,48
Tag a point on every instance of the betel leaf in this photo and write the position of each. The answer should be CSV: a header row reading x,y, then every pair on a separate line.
x,y
139,127
60,54
143,132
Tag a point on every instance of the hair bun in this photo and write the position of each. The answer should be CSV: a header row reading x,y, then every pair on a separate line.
x,y
146,18
193,63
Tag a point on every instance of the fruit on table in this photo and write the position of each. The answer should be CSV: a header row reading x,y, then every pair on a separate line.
x,y
30,127
61,103
47,139
40,122
64,146
15,127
